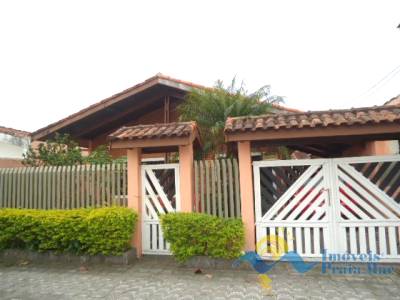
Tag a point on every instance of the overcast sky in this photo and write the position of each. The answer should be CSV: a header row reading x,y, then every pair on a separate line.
x,y
57,57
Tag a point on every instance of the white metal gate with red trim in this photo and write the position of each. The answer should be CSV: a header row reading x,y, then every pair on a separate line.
x,y
160,195
346,205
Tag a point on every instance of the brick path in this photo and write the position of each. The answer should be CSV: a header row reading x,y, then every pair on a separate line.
x,y
162,279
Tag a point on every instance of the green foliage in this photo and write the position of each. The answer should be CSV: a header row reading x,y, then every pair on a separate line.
x,y
211,107
80,231
119,160
60,151
193,234
100,155
63,151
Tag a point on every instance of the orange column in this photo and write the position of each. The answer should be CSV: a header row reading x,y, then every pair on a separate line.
x,y
135,194
186,181
246,193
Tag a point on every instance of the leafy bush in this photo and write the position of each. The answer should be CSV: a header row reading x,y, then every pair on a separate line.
x,y
62,150
193,234
105,231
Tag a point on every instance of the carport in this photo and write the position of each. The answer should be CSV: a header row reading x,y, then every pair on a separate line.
x,y
343,200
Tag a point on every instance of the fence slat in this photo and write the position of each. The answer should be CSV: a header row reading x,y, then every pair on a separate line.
x,y
114,202
59,187
202,186
124,185
2,186
71,187
237,188
225,188
82,186
78,185
196,186
230,188
213,194
217,187
15,187
119,194
208,205
108,185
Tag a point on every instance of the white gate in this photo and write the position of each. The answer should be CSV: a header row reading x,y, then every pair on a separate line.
x,y
347,205
160,195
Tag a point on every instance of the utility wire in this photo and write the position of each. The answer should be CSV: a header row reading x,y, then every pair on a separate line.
x,y
384,80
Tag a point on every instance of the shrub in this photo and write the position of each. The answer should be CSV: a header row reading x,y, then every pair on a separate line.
x,y
193,234
105,231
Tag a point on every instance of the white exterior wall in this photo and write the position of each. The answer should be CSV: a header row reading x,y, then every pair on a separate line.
x,y
13,147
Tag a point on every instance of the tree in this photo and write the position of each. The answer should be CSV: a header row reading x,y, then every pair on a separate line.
x,y
100,155
63,151
211,107
60,151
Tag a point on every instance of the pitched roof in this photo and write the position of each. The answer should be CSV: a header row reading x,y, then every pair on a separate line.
x,y
14,132
159,131
92,110
393,101
312,119
152,81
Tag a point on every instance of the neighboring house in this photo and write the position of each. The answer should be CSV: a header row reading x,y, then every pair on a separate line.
x,y
13,144
155,101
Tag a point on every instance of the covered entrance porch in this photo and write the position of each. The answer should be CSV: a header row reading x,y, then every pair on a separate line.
x,y
338,199
153,188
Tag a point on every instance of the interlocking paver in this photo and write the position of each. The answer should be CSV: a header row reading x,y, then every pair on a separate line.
x,y
155,278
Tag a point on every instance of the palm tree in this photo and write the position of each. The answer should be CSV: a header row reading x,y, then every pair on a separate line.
x,y
211,107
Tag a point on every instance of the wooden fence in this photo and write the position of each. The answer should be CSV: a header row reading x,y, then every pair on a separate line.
x,y
64,187
217,187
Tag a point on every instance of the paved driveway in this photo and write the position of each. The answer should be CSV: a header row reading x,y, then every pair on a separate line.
x,y
162,279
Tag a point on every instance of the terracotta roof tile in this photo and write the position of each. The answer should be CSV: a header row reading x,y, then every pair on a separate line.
x,y
311,119
178,129
14,132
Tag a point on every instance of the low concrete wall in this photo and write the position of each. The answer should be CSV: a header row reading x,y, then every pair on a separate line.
x,y
16,255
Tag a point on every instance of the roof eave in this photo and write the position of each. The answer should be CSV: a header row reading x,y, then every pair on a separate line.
x,y
149,83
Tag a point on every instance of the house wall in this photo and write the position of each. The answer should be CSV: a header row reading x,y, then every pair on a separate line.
x,y
12,149
373,148
10,163
153,117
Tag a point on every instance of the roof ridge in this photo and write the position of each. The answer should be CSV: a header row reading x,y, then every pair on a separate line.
x,y
376,107
161,130
12,131
159,124
312,119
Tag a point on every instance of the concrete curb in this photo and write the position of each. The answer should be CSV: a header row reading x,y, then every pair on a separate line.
x,y
18,255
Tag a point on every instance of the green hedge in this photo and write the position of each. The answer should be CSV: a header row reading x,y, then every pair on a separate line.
x,y
105,231
193,234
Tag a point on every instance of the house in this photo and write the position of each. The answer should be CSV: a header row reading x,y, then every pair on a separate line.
x,y
13,144
346,201
155,101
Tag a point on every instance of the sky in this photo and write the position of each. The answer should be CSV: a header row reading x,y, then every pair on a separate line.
x,y
57,57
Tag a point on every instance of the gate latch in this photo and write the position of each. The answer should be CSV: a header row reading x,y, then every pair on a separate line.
x,y
327,195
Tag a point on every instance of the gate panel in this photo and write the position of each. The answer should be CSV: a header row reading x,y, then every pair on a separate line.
x,y
292,207
160,194
368,214
346,205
